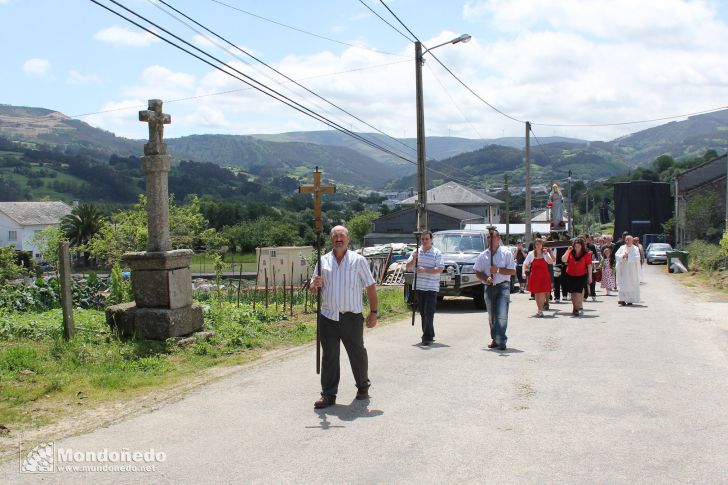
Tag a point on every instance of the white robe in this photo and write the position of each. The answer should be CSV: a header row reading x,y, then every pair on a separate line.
x,y
628,273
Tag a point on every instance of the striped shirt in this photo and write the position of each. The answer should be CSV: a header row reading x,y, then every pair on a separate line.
x,y
432,258
503,259
343,283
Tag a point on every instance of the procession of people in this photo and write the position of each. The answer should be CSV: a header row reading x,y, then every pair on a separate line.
x,y
558,264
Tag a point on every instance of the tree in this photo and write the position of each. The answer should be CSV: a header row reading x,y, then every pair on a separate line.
x,y
360,225
127,231
81,225
663,162
47,242
703,218
9,267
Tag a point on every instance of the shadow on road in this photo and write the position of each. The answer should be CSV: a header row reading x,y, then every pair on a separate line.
x,y
355,410
504,353
431,346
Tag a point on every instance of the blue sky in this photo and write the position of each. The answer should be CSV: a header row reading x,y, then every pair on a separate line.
x,y
566,62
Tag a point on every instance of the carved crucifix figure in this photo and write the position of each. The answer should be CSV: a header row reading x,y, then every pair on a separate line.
x,y
317,190
156,120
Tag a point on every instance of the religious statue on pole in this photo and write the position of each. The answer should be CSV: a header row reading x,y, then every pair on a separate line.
x,y
556,208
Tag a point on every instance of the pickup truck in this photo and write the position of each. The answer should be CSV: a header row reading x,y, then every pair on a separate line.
x,y
459,250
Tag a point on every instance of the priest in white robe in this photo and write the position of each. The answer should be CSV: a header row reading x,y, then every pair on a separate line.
x,y
628,272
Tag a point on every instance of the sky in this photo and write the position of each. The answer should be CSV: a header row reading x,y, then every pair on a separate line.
x,y
565,62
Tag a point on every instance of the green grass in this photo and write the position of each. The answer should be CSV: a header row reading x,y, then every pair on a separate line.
x,y
41,374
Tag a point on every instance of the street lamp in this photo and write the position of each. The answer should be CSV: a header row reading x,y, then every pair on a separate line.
x,y
422,186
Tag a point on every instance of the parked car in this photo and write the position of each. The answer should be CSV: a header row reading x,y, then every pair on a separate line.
x,y
657,252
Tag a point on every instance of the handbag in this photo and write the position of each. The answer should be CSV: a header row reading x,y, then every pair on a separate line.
x,y
598,275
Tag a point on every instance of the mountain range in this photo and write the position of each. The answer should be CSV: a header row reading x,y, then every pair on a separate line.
x,y
346,160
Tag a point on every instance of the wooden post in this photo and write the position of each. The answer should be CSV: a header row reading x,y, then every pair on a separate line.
x,y
291,288
240,281
265,272
275,291
257,272
305,296
284,293
64,261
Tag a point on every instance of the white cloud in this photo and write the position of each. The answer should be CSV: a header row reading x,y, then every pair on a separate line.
x,y
75,77
120,36
37,67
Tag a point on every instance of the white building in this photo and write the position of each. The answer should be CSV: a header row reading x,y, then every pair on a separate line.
x,y
21,221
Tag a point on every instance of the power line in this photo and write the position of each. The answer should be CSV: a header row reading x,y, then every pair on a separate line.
x,y
385,21
454,103
631,122
452,73
303,31
280,73
277,96
264,89
219,93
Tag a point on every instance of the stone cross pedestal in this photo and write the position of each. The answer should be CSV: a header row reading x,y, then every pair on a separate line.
x,y
160,277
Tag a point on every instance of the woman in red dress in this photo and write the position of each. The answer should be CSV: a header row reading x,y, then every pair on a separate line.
x,y
539,282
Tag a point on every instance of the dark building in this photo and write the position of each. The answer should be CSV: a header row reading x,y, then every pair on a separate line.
x,y
707,177
641,208
399,226
449,206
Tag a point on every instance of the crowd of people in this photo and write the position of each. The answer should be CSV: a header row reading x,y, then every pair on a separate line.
x,y
553,268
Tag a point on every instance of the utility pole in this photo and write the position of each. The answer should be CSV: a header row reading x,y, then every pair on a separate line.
x,y
421,181
528,184
508,215
677,213
586,222
571,215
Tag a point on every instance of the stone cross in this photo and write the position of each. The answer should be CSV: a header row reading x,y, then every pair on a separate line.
x,y
317,190
156,120
156,164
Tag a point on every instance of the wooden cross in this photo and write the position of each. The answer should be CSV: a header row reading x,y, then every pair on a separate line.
x,y
156,120
317,190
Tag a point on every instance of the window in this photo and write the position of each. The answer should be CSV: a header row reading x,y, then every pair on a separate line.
x,y
12,235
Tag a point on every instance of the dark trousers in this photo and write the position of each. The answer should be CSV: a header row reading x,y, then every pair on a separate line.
x,y
560,284
426,304
349,330
590,289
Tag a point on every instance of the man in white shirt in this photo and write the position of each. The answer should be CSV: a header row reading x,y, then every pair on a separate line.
x,y
344,274
428,261
496,273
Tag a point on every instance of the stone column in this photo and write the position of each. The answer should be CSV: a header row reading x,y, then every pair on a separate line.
x,y
160,277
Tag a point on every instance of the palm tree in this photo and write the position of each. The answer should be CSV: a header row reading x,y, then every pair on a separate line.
x,y
81,225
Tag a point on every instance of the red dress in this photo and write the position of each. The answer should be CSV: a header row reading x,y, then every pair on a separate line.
x,y
539,280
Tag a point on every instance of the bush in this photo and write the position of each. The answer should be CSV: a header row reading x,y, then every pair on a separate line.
x,y
705,256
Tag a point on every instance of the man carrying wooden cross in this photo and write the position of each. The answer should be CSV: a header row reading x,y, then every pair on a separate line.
x,y
344,274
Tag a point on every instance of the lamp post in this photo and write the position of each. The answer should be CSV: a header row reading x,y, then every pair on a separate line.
x,y
421,182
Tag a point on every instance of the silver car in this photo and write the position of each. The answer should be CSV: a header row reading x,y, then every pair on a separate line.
x,y
657,252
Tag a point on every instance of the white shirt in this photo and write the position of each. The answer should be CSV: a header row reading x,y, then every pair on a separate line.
x,y
503,259
432,258
529,259
343,283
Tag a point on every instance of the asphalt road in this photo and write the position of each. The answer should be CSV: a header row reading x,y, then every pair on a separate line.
x,y
622,395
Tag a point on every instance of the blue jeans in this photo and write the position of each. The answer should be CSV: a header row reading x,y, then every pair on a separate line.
x,y
498,314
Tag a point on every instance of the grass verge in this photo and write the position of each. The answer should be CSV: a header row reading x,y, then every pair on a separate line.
x,y
44,378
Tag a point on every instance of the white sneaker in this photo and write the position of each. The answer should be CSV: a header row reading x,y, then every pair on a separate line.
x,y
594,298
